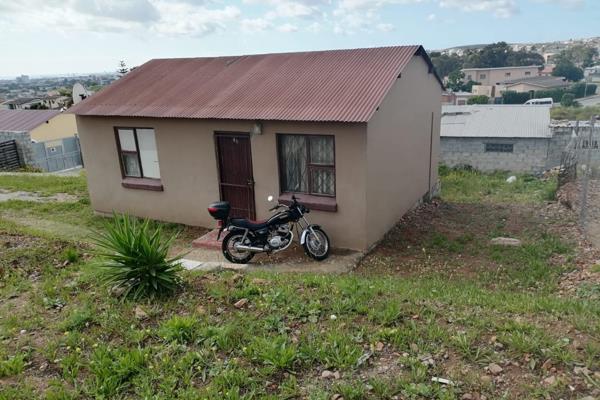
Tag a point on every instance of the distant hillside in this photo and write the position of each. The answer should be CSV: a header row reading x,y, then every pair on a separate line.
x,y
539,47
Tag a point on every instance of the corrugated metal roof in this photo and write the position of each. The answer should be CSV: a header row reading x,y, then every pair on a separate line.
x,y
336,85
542,81
503,121
24,120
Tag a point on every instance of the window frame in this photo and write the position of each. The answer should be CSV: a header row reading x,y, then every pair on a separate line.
x,y
309,166
136,182
498,147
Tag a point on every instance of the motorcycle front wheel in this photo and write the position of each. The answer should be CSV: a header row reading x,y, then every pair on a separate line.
x,y
231,253
316,244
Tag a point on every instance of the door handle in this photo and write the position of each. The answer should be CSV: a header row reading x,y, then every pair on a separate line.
x,y
250,182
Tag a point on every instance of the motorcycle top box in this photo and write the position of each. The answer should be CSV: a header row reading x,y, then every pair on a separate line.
x,y
219,210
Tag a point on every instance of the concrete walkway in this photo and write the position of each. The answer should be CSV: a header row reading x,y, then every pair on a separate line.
x,y
6,195
339,262
67,172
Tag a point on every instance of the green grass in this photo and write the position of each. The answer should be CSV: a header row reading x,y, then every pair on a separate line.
x,y
46,185
80,341
476,187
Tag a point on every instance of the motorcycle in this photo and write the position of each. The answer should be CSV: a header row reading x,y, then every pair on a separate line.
x,y
245,238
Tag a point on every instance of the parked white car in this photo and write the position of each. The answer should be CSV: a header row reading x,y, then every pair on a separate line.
x,y
537,102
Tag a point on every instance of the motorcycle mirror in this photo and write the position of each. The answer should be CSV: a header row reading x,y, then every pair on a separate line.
x,y
270,199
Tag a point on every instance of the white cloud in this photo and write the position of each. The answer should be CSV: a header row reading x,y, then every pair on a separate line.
x,y
290,8
203,17
255,25
351,16
287,28
500,8
186,19
131,10
169,18
385,27
565,3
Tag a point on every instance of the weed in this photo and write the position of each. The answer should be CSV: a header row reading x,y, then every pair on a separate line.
x,y
278,352
339,351
12,365
79,319
113,369
179,329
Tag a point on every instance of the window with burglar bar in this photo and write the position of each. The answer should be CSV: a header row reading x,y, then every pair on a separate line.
x,y
307,164
137,152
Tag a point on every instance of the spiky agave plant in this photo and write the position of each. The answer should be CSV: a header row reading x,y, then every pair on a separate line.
x,y
133,256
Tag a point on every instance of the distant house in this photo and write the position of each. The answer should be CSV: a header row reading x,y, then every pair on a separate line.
x,y
456,98
40,125
499,137
53,130
491,76
524,85
56,102
23,103
592,74
353,133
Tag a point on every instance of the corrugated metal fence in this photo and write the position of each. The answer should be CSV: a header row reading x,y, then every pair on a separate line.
x,y
9,156
57,155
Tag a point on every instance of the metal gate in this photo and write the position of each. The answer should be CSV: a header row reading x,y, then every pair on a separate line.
x,y
9,156
57,155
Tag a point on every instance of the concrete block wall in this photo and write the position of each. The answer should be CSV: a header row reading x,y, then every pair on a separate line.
x,y
529,155
23,140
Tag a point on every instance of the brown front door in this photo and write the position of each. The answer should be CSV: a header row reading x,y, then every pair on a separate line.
x,y
236,183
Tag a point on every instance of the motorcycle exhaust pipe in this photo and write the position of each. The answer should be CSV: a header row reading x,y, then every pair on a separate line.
x,y
249,248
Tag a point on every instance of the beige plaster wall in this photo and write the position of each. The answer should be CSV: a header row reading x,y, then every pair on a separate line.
x,y
188,168
61,126
399,168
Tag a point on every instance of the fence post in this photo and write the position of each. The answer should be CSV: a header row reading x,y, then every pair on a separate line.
x,y
585,182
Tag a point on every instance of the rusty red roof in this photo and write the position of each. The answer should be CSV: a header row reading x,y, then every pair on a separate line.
x,y
24,120
335,85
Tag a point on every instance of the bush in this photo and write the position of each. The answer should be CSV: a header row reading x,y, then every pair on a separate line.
x,y
568,100
582,89
133,256
574,113
512,97
481,99
555,94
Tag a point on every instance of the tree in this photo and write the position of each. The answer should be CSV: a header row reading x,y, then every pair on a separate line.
x,y
446,63
524,58
494,55
581,55
481,99
455,81
567,69
568,100
122,70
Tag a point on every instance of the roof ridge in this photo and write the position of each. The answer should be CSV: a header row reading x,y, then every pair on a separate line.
x,y
284,53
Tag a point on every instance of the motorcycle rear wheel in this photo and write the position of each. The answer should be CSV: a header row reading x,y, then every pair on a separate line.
x,y
317,245
230,252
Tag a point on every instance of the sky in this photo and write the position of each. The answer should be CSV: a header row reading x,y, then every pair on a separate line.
x,y
46,37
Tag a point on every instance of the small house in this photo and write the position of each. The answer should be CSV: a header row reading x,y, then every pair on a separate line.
x,y
516,138
354,134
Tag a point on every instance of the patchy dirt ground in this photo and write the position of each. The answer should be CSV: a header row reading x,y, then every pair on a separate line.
x,y
454,239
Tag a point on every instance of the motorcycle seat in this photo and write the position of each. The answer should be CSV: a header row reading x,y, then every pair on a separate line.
x,y
247,224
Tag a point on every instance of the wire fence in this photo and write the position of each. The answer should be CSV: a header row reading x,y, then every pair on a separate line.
x,y
579,176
